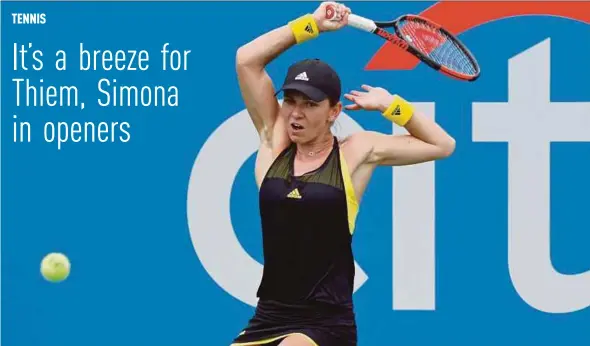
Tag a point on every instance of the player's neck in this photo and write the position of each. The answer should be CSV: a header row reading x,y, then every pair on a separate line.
x,y
315,148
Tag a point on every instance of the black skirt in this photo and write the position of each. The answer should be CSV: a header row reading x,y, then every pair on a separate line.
x,y
323,324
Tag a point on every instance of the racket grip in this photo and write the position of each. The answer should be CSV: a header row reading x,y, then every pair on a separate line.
x,y
361,23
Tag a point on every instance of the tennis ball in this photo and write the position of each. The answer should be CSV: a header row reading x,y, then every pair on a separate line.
x,y
55,267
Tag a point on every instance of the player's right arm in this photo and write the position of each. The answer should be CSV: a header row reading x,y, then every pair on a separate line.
x,y
256,86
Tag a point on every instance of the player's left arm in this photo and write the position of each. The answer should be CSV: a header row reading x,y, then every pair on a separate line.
x,y
425,141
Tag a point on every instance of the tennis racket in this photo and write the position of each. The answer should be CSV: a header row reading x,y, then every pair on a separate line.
x,y
423,38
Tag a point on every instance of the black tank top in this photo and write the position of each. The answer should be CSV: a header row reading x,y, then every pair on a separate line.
x,y
307,226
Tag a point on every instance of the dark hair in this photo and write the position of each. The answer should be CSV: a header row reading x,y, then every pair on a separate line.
x,y
332,101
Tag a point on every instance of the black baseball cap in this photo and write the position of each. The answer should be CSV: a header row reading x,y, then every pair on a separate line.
x,y
315,79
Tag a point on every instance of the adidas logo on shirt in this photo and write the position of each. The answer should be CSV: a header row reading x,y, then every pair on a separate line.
x,y
302,76
294,194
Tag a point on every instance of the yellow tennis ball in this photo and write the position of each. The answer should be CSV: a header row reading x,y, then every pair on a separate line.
x,y
55,267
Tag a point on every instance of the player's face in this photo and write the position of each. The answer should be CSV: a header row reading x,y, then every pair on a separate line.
x,y
307,119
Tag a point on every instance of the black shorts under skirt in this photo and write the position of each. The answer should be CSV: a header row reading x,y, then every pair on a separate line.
x,y
323,324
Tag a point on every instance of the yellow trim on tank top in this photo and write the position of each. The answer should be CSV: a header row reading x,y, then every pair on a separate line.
x,y
266,341
352,205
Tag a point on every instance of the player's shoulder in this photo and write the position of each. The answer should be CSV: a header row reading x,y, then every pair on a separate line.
x,y
357,144
356,148
359,138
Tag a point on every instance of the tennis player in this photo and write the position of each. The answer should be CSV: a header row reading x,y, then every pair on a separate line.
x,y
311,184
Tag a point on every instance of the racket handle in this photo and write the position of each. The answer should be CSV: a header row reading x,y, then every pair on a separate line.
x,y
361,23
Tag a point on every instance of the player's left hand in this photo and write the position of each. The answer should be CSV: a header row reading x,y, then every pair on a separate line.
x,y
374,98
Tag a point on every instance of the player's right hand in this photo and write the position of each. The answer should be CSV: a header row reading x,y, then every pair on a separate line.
x,y
338,19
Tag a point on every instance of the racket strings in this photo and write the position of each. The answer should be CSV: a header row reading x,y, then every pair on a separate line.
x,y
450,55
437,46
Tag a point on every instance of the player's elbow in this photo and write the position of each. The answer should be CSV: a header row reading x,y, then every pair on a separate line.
x,y
244,57
241,57
447,148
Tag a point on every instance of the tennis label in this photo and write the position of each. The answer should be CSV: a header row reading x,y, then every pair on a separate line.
x,y
29,18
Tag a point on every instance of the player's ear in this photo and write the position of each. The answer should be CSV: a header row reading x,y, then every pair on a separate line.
x,y
335,111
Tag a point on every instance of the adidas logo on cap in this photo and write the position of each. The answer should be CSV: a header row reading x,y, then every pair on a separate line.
x,y
302,76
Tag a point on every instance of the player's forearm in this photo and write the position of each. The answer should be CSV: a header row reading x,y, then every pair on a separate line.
x,y
422,127
430,132
265,48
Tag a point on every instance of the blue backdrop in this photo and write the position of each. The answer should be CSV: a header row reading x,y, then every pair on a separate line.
x,y
119,210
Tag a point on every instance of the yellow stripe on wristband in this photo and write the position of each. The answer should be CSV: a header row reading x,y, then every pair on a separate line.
x,y
399,111
304,28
